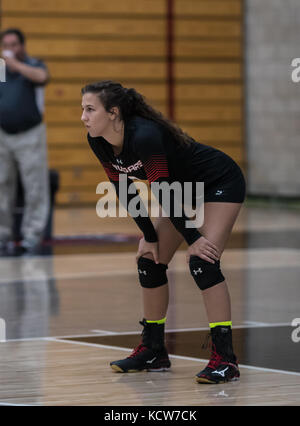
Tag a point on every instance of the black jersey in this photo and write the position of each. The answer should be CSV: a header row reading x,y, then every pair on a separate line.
x,y
150,153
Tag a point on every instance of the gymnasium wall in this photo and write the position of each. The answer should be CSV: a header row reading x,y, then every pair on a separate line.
x,y
273,117
127,40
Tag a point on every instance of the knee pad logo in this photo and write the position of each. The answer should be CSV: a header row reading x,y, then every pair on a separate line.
x,y
204,273
155,274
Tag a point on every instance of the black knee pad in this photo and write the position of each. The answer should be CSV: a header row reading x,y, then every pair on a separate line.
x,y
151,275
205,274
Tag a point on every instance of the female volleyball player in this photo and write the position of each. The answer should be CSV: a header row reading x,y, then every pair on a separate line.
x,y
129,137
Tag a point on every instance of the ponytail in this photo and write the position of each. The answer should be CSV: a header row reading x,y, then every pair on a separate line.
x,y
132,103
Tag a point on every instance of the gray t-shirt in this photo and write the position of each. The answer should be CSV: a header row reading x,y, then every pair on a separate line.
x,y
21,100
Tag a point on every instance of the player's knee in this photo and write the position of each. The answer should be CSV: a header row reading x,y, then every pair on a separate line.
x,y
151,275
205,274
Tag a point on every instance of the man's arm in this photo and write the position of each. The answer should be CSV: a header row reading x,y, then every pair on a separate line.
x,y
38,75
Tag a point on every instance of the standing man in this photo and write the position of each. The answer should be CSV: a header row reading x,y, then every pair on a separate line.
x,y
22,142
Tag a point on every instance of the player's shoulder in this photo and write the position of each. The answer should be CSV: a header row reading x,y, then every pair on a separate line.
x,y
146,137
145,128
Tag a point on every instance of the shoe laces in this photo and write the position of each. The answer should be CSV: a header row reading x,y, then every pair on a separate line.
x,y
140,348
215,357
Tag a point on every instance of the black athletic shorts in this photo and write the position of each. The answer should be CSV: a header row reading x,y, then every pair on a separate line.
x,y
231,188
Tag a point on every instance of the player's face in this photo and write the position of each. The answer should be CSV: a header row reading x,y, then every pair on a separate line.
x,y
94,116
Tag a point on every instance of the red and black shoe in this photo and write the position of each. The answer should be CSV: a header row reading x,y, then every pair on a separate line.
x,y
143,358
222,366
150,354
218,370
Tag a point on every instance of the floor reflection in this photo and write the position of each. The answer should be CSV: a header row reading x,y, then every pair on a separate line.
x,y
27,303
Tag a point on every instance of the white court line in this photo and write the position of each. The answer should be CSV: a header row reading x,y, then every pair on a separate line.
x,y
110,333
121,333
249,324
93,345
67,276
9,404
187,358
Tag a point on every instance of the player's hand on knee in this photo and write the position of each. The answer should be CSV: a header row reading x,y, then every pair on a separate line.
x,y
147,248
203,249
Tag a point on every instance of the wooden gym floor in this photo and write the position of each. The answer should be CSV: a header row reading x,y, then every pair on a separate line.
x,y
72,310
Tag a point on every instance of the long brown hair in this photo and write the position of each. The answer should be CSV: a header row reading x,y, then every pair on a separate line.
x,y
131,103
